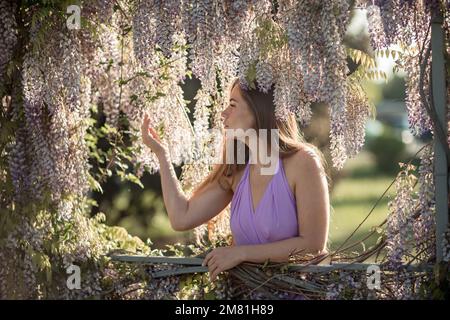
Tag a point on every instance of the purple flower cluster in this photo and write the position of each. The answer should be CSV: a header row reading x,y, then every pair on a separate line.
x,y
8,34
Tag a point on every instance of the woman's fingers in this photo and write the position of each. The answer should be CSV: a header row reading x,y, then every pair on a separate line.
x,y
213,265
213,271
148,132
154,134
146,128
206,260
145,123
209,259
150,137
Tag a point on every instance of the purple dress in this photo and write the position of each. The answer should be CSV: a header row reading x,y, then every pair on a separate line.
x,y
275,216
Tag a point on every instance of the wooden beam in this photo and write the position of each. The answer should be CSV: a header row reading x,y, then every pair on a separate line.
x,y
439,101
355,267
195,266
157,260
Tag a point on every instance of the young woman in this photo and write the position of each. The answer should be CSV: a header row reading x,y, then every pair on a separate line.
x,y
272,216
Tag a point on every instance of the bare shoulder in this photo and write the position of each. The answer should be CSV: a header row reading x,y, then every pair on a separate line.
x,y
304,163
308,157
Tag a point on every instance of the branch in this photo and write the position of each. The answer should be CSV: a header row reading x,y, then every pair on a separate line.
x,y
339,249
118,6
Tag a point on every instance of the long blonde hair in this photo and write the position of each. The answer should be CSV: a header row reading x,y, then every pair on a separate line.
x,y
290,138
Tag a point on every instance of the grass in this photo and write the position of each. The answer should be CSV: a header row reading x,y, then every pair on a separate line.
x,y
353,198
352,202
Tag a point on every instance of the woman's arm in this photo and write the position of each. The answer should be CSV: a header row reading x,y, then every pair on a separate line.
x,y
184,214
175,200
278,251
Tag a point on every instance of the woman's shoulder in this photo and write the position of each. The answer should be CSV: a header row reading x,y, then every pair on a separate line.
x,y
302,165
305,159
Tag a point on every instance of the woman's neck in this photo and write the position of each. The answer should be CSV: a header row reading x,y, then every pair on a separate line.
x,y
266,163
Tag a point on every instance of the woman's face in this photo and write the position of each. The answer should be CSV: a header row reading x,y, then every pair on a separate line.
x,y
238,114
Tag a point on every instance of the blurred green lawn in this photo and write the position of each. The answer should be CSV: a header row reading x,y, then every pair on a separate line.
x,y
353,198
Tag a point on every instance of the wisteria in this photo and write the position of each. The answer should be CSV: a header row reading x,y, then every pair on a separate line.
x,y
133,57
411,221
258,53
414,37
8,35
55,138
424,227
400,223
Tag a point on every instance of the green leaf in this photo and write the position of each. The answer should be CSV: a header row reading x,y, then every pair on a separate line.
x,y
48,275
210,296
250,76
363,59
95,185
132,178
358,56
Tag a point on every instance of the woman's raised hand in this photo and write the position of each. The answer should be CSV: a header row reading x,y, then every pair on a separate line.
x,y
150,138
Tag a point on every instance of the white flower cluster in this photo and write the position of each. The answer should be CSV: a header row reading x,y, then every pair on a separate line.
x,y
320,62
387,27
425,224
310,66
55,115
346,288
162,288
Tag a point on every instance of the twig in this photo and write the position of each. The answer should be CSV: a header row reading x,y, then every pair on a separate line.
x,y
376,203
120,9
418,254
363,239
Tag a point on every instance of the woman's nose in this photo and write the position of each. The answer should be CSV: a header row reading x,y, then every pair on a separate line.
x,y
224,114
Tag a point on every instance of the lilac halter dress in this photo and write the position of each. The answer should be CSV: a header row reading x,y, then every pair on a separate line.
x,y
273,219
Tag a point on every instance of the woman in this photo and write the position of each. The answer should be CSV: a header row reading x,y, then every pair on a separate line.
x,y
272,216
